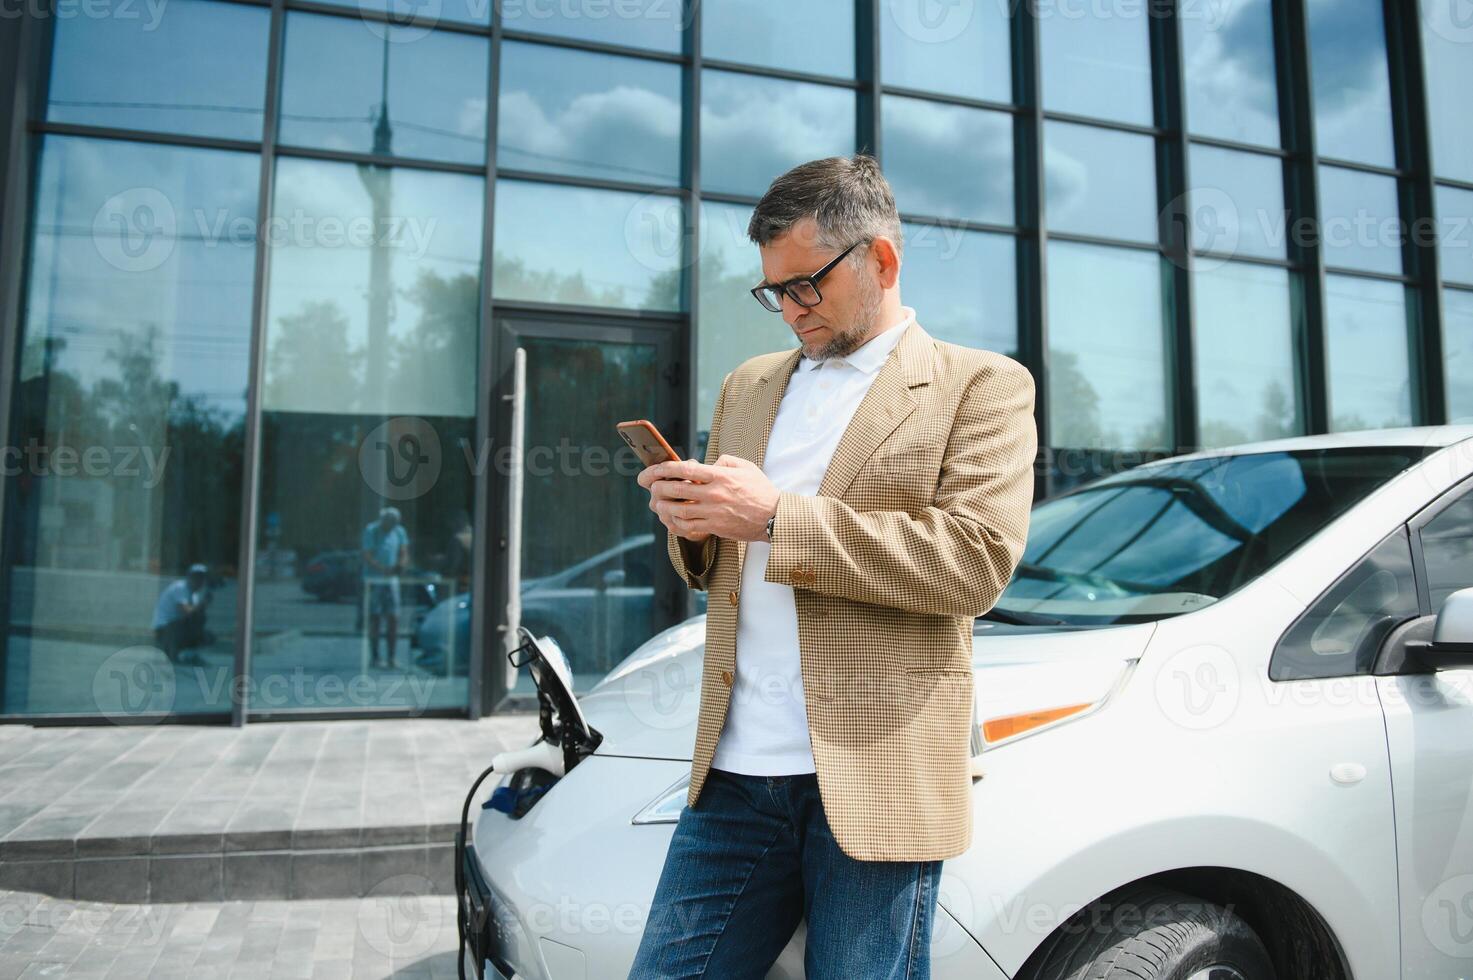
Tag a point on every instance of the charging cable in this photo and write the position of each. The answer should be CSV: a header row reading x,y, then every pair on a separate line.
x,y
542,755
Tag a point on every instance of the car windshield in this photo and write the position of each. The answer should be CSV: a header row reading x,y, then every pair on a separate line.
x,y
1163,539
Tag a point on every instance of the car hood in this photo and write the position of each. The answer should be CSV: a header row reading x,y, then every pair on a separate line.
x,y
647,706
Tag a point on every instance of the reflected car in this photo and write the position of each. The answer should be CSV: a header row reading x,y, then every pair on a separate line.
x,y
1223,728
333,576
610,594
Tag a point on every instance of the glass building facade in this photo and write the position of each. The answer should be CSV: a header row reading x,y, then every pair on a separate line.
x,y
270,268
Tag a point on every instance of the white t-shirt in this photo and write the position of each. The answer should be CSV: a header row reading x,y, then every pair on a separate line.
x,y
766,730
167,609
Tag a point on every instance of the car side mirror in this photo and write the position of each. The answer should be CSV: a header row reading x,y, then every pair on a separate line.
x,y
1452,635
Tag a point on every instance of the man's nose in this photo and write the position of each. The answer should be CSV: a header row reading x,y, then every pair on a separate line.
x,y
792,310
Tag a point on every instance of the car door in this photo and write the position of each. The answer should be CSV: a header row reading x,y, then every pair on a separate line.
x,y
1429,732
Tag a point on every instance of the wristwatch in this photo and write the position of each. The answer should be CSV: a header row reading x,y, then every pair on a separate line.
x,y
770,521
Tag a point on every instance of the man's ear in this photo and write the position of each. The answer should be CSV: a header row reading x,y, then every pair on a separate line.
x,y
888,261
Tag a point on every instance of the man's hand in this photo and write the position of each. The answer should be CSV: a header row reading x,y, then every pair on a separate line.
x,y
732,498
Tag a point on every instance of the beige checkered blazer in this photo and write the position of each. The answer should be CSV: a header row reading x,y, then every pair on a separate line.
x,y
917,527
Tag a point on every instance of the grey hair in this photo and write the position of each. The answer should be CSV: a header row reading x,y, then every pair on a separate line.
x,y
848,197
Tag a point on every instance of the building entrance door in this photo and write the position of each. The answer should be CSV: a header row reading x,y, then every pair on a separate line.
x,y
580,556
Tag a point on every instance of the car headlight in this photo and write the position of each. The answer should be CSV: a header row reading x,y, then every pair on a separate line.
x,y
666,807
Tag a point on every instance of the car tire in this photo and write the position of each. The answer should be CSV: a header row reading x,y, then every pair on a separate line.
x,y
1153,933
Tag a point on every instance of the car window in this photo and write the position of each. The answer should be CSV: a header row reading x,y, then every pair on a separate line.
x,y
1447,549
1164,539
1341,631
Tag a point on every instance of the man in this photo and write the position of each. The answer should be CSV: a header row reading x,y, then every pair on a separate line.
x,y
862,500
179,616
385,555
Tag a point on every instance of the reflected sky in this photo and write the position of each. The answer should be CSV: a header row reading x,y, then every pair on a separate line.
x,y
1455,233
132,238
1099,182
1366,340
332,85
733,326
1237,202
1231,89
196,68
588,114
814,36
1243,341
1096,65
1351,81
324,287
654,24
962,285
1107,379
1457,351
958,49
466,11
754,128
1446,33
627,251
1358,212
949,161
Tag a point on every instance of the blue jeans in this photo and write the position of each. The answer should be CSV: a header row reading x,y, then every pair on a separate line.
x,y
755,856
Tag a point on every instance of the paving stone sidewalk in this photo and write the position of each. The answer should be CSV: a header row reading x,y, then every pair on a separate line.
x,y
268,811
386,935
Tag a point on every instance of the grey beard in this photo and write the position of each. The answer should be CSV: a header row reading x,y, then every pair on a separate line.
x,y
848,341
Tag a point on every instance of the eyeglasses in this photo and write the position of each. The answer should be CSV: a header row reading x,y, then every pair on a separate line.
x,y
802,290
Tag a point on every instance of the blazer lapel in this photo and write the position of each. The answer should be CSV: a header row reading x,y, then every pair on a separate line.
x,y
757,414
887,403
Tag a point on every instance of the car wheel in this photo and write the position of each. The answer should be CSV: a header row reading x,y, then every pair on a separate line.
x,y
1152,933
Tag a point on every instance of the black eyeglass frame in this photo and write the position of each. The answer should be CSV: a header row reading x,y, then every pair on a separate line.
x,y
785,287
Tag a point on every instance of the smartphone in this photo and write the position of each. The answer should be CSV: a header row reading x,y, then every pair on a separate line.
x,y
646,441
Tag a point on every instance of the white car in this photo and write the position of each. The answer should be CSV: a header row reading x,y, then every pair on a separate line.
x,y
1217,739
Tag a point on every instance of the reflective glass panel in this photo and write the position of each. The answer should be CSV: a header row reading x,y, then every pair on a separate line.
x,y
815,36
369,403
628,251
128,413
1243,340
335,84
1368,370
755,128
1099,182
955,48
1351,81
948,161
1107,378
566,111
962,285
1228,56
201,70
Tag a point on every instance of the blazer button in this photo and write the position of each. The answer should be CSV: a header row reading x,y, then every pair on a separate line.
x,y
726,674
731,597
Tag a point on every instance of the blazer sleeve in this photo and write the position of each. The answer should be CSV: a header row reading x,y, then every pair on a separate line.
x,y
952,558
693,562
